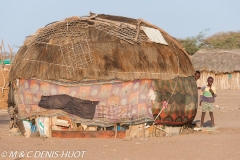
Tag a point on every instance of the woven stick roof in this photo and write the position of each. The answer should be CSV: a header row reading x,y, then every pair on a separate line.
x,y
99,47
217,60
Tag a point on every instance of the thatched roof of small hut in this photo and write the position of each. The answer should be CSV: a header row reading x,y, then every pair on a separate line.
x,y
217,60
99,47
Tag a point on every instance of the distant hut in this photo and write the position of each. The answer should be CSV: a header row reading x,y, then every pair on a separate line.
x,y
112,60
222,65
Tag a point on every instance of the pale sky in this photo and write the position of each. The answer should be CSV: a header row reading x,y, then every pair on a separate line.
x,y
180,18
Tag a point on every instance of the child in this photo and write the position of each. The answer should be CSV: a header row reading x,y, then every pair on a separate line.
x,y
207,99
197,76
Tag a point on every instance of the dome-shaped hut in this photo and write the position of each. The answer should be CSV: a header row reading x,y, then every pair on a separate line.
x,y
111,61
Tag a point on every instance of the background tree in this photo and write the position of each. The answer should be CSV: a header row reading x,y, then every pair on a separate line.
x,y
223,40
193,44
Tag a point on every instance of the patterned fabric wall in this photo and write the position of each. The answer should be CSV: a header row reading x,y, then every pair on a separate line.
x,y
119,102
182,103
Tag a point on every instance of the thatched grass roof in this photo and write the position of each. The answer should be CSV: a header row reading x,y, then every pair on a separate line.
x,y
217,60
99,47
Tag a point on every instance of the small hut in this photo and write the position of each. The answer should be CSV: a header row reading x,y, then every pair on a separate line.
x,y
111,62
222,65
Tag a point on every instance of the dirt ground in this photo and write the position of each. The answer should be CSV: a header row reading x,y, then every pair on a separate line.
x,y
221,144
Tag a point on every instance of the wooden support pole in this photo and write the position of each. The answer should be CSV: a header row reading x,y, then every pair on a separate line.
x,y
50,126
115,128
3,53
10,51
143,130
1,47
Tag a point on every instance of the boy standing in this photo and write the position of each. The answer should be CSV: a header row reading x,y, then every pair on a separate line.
x,y
207,99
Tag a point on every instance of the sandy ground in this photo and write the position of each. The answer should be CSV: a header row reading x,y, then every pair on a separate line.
x,y
222,144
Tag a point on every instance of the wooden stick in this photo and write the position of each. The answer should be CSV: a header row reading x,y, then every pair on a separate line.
x,y
10,49
50,126
115,127
143,130
116,23
1,58
138,30
3,54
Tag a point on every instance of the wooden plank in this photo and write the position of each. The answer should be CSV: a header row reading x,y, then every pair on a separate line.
x,y
88,134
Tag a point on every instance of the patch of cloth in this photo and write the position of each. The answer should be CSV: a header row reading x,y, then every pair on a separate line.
x,y
82,108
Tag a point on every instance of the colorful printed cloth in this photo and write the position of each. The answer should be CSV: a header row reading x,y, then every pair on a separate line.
x,y
120,102
181,94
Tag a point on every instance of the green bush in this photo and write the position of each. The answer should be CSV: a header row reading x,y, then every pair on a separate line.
x,y
223,40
